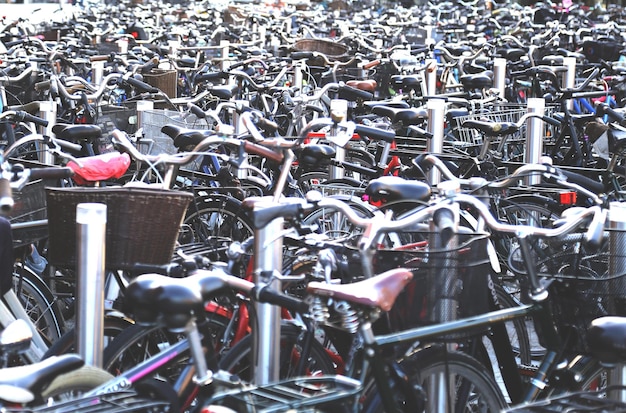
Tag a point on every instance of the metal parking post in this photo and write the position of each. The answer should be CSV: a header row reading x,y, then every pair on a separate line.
x,y
617,266
47,111
91,219
534,136
436,118
499,75
569,77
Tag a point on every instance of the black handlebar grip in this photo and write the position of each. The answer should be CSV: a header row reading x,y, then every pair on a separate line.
x,y
6,196
267,295
149,65
196,110
302,55
171,269
141,86
445,224
51,173
375,133
267,125
604,109
353,94
551,121
27,117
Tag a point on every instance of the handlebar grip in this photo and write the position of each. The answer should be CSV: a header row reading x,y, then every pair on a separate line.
x,y
551,121
196,110
41,86
51,173
27,117
262,151
445,224
267,125
67,145
141,86
6,196
149,65
375,133
604,109
372,64
171,269
267,295
99,58
302,55
353,94
595,231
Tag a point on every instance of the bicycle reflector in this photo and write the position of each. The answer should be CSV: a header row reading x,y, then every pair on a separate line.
x,y
567,198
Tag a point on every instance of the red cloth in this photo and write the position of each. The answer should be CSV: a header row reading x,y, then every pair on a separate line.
x,y
100,167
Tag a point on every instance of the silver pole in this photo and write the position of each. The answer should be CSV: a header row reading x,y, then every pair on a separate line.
x,y
436,117
268,252
431,77
47,111
617,266
569,77
534,136
499,75
91,222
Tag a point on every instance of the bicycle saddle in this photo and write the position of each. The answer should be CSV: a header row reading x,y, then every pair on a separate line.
x,y
315,155
477,81
184,137
367,85
380,291
153,298
35,377
393,188
407,81
410,116
606,337
74,133
225,92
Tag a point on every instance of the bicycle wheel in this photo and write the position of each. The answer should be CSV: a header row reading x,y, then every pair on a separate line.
x,y
238,360
38,302
113,326
137,343
471,387
333,223
211,219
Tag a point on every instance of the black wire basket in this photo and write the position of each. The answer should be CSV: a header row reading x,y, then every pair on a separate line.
x,y
142,224
447,283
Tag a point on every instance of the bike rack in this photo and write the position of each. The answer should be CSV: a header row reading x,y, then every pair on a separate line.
x,y
91,219
534,137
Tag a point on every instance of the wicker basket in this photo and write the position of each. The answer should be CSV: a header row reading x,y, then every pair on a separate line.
x,y
329,48
142,224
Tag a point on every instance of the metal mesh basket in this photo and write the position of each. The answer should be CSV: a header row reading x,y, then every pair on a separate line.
x,y
142,224
590,401
579,284
111,117
155,142
501,112
304,394
29,214
447,284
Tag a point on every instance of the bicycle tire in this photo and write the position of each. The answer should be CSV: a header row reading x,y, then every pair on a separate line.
x,y
333,223
476,385
39,303
113,326
135,342
238,359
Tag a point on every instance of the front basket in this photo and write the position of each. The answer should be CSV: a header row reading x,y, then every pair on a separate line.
x,y
142,224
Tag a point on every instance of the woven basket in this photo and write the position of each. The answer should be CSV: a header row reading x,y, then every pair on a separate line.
x,y
142,224
327,47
